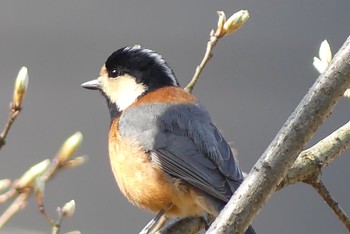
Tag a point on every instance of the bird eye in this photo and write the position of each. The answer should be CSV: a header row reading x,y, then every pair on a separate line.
x,y
114,73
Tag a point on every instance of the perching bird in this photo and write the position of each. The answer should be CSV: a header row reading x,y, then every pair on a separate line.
x,y
166,154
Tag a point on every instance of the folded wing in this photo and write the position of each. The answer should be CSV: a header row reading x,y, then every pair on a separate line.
x,y
182,140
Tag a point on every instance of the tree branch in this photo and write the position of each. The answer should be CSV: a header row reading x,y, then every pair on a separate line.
x,y
207,56
34,179
327,197
309,163
14,112
18,204
273,165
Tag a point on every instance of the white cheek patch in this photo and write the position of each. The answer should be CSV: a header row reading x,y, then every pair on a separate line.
x,y
123,91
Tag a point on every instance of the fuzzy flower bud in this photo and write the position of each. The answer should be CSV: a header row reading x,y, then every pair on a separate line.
x,y
34,172
236,21
68,209
69,147
21,86
325,52
325,57
320,65
221,22
76,162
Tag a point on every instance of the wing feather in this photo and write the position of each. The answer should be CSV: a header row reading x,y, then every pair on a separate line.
x,y
184,142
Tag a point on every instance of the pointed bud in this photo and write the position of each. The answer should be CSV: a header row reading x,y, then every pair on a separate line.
x,y
320,65
325,52
4,184
347,93
236,21
68,209
221,22
21,85
325,58
35,171
76,162
69,147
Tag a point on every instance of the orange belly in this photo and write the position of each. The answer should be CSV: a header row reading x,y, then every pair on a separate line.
x,y
147,186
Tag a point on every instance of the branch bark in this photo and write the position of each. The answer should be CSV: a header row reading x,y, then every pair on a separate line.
x,y
327,197
273,165
14,112
310,162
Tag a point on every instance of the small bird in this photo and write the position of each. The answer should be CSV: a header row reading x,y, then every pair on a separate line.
x,y
166,154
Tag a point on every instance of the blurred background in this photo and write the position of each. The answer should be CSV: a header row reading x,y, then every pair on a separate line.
x,y
254,81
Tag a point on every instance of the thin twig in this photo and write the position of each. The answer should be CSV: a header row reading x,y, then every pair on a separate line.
x,y
224,28
18,204
54,168
11,193
21,85
327,197
39,195
14,112
56,226
207,56
51,172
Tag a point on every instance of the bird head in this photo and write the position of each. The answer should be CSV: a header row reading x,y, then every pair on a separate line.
x,y
130,73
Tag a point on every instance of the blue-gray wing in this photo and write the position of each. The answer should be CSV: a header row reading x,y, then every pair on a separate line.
x,y
183,141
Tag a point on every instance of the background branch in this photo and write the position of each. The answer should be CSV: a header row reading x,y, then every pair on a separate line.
x,y
35,177
20,89
14,112
327,197
224,28
17,205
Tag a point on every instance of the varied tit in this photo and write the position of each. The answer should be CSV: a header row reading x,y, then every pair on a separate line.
x,y
166,154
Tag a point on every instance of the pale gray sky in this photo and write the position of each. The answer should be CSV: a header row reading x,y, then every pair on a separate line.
x,y
255,80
